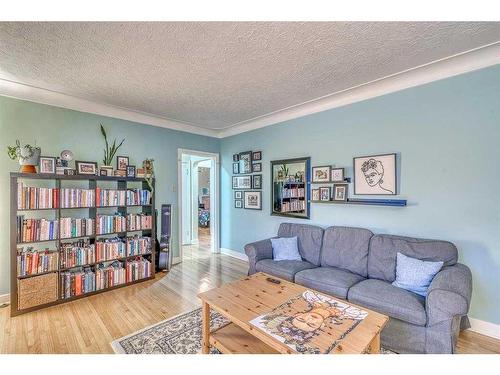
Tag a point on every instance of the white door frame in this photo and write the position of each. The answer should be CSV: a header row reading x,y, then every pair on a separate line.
x,y
214,199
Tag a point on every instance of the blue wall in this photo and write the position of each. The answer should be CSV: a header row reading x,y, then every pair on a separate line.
x,y
447,134
56,129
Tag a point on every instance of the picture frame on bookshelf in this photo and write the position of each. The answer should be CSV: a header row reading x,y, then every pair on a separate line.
x,y
256,167
238,194
245,162
321,174
86,167
122,163
324,193
337,174
252,200
315,194
257,181
236,158
70,172
340,192
375,175
108,169
242,182
238,203
131,171
103,172
257,155
48,164
236,168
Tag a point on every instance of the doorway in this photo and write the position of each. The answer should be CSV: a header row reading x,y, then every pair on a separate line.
x,y
198,204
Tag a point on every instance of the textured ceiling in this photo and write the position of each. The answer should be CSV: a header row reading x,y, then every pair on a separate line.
x,y
214,74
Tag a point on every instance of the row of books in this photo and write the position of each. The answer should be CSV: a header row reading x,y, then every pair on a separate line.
x,y
111,248
293,205
32,262
111,275
138,269
30,198
139,221
114,197
293,192
76,227
111,223
138,245
77,198
33,230
75,283
78,253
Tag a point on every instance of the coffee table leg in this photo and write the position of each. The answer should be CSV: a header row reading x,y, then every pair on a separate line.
x,y
375,345
205,328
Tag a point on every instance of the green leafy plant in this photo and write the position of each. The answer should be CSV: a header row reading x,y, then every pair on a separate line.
x,y
109,152
284,168
149,172
15,152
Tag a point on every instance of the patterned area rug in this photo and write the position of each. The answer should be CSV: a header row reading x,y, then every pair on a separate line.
x,y
178,335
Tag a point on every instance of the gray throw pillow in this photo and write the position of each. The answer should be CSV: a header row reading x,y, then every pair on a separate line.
x,y
415,275
285,248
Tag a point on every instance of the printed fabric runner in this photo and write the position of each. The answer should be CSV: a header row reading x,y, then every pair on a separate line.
x,y
311,323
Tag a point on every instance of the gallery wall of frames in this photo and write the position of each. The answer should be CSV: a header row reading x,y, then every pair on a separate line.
x,y
247,180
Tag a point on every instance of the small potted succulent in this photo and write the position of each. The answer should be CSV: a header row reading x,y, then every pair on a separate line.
x,y
27,155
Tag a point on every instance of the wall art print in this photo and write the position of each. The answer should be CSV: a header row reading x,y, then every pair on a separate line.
x,y
375,175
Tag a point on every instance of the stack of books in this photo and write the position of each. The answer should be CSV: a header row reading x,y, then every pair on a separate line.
x,y
33,230
75,283
31,198
110,248
108,276
110,197
111,223
138,197
76,254
138,245
120,173
71,198
137,269
73,227
139,221
32,262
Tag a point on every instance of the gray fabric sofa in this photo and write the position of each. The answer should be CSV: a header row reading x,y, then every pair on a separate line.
x,y
358,266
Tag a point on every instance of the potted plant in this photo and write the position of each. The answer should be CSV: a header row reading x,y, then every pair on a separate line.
x,y
109,152
27,155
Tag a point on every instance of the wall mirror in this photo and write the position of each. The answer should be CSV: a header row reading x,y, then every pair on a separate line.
x,y
290,187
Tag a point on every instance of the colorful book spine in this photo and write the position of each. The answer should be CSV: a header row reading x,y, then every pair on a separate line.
x,y
137,269
34,230
110,249
34,198
32,262
71,198
76,227
109,276
138,245
137,197
107,224
75,283
110,197
76,254
139,221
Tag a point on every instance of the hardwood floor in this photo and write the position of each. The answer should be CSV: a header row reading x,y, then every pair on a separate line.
x,y
90,324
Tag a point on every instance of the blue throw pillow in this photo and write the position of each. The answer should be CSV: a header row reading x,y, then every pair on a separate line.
x,y
415,275
285,248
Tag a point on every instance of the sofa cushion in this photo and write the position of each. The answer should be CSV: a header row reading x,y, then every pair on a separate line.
x,y
309,238
415,275
286,269
329,280
387,299
285,248
383,250
346,248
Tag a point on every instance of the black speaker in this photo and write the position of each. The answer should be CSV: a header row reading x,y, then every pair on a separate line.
x,y
166,233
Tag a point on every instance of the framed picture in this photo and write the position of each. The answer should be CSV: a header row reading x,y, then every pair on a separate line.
x,y
47,164
257,155
130,170
291,178
238,195
86,167
315,194
324,193
70,172
236,168
321,174
103,172
257,167
238,203
246,162
340,192
375,175
337,174
122,163
242,182
257,181
236,158
252,200
108,169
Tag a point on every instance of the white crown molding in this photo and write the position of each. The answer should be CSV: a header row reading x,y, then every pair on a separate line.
x,y
485,328
49,97
461,63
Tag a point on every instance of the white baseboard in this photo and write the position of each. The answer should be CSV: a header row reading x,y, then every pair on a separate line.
x,y
234,254
4,298
485,328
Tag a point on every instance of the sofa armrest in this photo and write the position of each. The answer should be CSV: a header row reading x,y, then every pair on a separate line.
x,y
257,251
449,294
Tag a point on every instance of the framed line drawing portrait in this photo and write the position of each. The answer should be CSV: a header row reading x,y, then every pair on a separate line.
x,y
375,175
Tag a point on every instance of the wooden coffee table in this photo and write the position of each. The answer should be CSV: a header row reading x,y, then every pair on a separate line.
x,y
244,300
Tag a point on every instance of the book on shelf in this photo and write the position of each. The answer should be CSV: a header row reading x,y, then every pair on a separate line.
x,y
139,221
76,227
110,248
71,198
110,197
107,224
137,197
294,192
110,275
34,230
78,253
33,198
137,269
77,282
138,245
32,262
293,205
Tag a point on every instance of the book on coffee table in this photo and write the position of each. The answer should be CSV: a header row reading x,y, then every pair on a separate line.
x,y
311,322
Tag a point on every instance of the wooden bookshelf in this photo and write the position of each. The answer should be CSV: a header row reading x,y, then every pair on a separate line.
x,y
120,183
